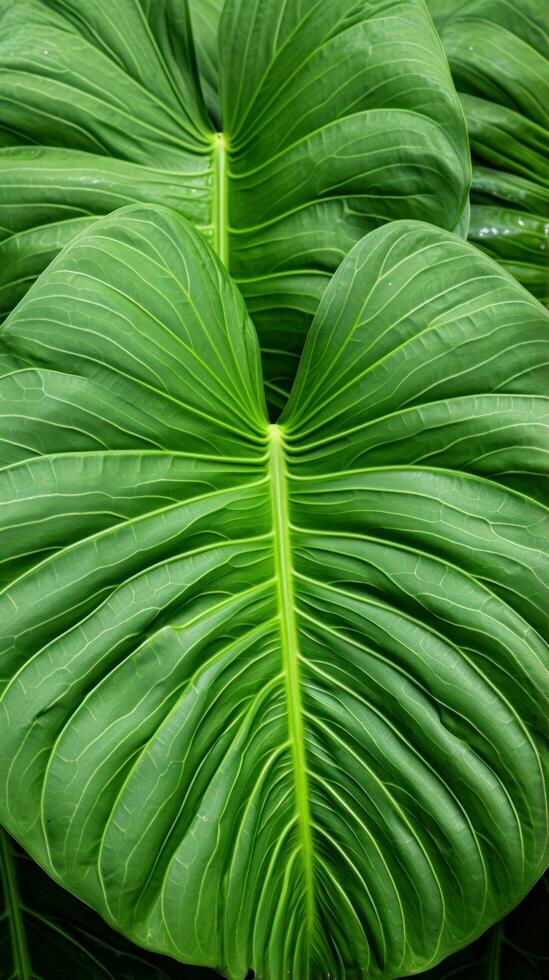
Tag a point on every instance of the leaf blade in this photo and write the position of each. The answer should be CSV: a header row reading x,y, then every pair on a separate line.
x,y
332,673
73,84
504,96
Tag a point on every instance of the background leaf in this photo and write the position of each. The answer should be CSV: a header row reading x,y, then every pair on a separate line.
x,y
333,118
499,55
275,695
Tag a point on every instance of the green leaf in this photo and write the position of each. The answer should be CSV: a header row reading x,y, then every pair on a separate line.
x,y
498,52
274,694
515,949
46,934
331,119
205,16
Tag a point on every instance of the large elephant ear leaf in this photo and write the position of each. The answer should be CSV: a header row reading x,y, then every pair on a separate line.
x,y
334,118
274,694
47,934
499,55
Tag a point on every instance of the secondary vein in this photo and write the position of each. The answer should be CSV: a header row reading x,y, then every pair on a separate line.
x,y
290,656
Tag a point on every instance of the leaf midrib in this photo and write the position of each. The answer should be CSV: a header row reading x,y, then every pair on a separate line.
x,y
19,946
291,656
220,239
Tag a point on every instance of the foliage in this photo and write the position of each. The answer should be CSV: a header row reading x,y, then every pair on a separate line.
x,y
332,118
498,51
273,696
287,680
45,932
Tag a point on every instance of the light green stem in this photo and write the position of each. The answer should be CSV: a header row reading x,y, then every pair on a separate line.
x,y
219,205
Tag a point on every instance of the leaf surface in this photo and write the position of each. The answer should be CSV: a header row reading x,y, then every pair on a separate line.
x,y
274,694
205,18
515,949
499,55
46,934
331,119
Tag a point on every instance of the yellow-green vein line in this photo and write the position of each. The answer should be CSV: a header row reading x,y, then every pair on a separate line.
x,y
220,239
290,656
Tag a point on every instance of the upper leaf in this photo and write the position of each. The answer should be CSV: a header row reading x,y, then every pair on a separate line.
x,y
335,117
499,55
274,694
205,17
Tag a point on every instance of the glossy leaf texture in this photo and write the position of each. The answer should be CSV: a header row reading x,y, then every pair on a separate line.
x,y
46,934
515,949
205,17
499,55
332,118
275,695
